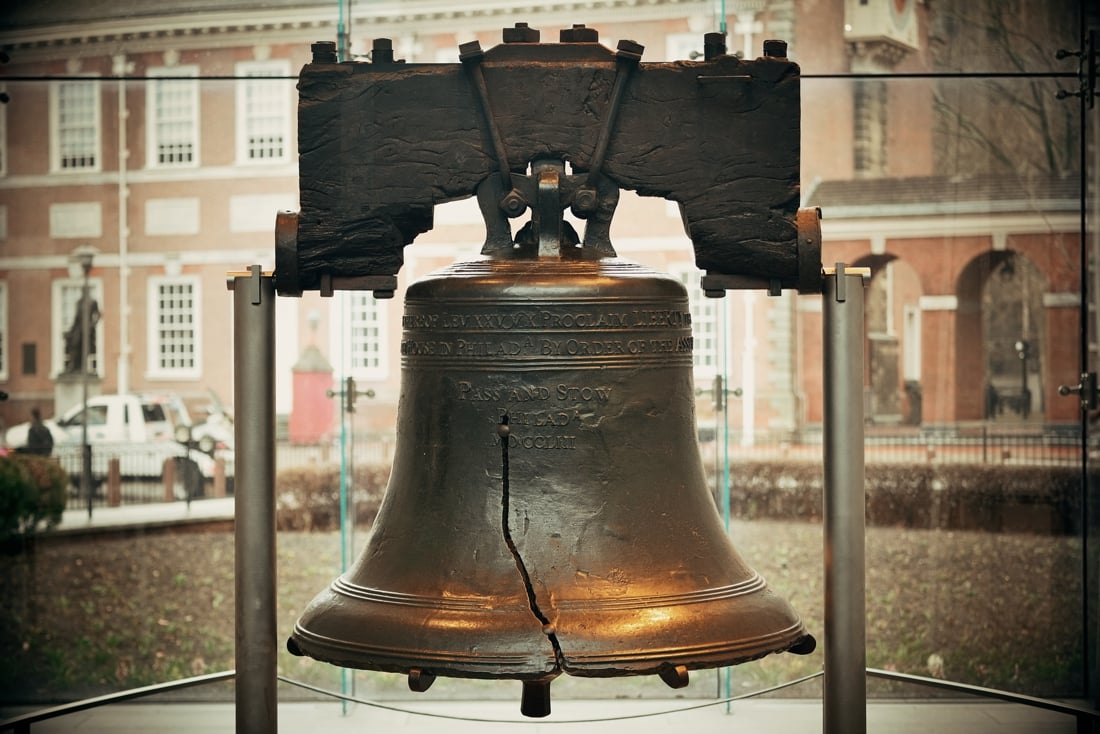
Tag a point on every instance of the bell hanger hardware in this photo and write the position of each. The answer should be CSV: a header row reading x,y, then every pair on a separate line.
x,y
547,510
719,136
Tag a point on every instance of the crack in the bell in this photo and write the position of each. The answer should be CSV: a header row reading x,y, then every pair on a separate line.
x,y
532,601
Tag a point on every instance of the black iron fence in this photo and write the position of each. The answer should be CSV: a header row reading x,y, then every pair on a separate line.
x,y
956,444
123,475
362,449
133,475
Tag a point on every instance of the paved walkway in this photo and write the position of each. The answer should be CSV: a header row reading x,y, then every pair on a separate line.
x,y
157,514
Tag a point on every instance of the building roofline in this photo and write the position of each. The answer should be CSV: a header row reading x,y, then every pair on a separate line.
x,y
388,16
940,196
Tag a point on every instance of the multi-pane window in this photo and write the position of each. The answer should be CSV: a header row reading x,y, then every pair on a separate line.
x,y
174,327
366,335
75,118
67,333
705,313
173,115
263,112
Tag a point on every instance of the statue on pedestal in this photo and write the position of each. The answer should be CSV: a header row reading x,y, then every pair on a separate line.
x,y
75,358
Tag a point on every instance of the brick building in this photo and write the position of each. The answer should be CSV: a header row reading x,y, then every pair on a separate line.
x,y
187,187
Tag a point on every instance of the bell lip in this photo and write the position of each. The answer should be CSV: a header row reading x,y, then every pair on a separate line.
x,y
335,652
455,664
701,656
593,658
356,626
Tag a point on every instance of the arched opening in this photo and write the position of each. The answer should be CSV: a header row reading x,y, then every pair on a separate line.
x,y
1000,306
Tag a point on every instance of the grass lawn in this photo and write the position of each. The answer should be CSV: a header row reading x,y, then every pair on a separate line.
x,y
84,617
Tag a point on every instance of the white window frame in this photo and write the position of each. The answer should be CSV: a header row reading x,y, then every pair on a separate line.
x,y
279,100
5,334
96,122
188,121
706,324
64,301
155,367
361,310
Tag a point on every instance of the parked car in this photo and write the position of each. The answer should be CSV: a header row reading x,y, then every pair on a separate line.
x,y
214,436
139,430
215,433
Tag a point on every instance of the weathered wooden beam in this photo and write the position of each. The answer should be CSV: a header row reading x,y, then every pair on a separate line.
x,y
382,143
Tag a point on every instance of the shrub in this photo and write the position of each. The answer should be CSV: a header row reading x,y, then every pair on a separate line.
x,y
32,494
989,497
308,498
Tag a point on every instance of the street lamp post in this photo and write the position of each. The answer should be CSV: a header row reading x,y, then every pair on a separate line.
x,y
84,257
1023,350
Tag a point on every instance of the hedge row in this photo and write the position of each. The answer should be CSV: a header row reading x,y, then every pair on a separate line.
x,y
997,498
308,498
33,490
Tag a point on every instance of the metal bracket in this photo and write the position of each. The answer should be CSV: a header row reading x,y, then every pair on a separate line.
x,y
1086,69
627,58
547,213
840,270
548,193
809,276
351,395
255,275
1087,389
383,286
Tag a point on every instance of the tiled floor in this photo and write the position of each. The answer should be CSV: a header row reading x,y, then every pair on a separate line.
x,y
636,717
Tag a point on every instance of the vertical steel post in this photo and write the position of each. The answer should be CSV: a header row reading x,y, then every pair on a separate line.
x,y
254,431
845,694
85,343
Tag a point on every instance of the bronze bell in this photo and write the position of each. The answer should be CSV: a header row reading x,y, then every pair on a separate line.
x,y
547,510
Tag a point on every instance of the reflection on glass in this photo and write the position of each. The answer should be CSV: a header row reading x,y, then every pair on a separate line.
x,y
933,140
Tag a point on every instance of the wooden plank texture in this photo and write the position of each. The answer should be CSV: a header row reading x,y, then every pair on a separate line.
x,y
381,144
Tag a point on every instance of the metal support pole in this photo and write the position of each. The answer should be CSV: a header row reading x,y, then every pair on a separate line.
x,y
254,430
85,360
845,690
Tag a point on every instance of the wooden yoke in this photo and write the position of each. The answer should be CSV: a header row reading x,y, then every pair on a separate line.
x,y
382,143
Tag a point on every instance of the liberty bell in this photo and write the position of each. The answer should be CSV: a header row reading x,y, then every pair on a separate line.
x,y
547,510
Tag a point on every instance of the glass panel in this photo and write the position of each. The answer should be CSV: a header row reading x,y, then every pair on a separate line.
x,y
972,319
958,187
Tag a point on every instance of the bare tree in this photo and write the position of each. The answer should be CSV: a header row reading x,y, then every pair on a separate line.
x,y
988,122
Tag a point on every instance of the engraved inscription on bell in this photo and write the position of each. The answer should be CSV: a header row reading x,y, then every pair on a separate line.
x,y
557,332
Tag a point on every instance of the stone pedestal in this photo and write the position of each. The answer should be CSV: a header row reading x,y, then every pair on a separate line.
x,y
69,391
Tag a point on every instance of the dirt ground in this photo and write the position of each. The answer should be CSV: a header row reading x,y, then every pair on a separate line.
x,y
82,618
